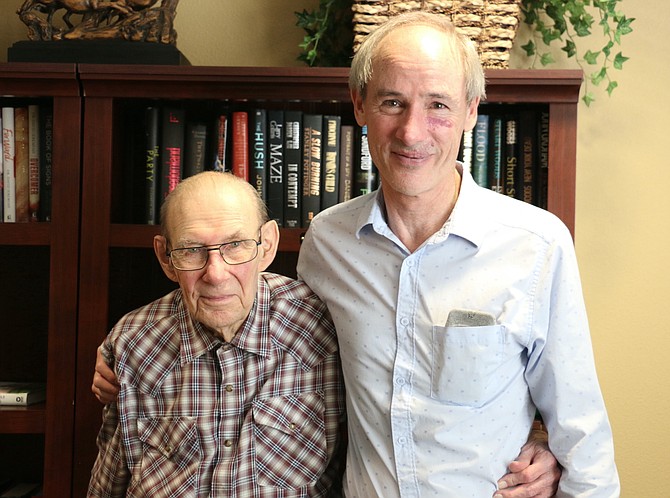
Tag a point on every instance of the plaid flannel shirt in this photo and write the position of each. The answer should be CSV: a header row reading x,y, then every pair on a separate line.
x,y
261,416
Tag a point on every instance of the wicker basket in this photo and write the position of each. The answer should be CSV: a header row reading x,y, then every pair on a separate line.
x,y
491,24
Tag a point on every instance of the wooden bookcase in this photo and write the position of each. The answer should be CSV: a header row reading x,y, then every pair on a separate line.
x,y
39,265
100,265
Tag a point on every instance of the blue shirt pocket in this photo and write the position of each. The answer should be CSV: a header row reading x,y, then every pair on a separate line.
x,y
464,364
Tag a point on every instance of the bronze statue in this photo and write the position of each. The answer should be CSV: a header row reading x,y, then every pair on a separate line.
x,y
132,20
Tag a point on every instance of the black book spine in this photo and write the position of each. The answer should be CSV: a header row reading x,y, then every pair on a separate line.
x,y
330,161
292,168
312,132
276,165
152,163
258,150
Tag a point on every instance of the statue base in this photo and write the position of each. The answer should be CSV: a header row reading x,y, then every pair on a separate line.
x,y
96,52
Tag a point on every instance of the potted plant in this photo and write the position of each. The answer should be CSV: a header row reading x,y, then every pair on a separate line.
x,y
328,38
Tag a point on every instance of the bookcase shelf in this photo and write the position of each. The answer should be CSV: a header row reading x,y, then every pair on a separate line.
x,y
39,291
90,263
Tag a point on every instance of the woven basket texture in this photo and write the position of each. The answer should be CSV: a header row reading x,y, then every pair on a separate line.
x,y
490,24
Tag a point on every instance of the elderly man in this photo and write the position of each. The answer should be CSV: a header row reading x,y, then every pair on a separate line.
x,y
230,385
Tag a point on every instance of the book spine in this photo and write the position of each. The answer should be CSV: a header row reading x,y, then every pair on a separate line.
x,y
276,165
330,161
46,157
466,150
14,399
8,154
258,153
527,154
346,168
151,163
480,144
312,133
2,176
365,176
21,166
34,161
240,166
292,162
543,160
511,158
496,155
221,161
172,149
196,147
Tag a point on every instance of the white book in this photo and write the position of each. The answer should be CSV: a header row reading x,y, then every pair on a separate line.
x,y
8,154
21,393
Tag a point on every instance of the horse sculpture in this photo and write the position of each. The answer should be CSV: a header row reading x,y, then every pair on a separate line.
x,y
101,19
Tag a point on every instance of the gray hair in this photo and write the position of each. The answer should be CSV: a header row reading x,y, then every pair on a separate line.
x,y
361,66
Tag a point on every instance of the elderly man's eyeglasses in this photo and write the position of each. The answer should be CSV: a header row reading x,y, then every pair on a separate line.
x,y
195,258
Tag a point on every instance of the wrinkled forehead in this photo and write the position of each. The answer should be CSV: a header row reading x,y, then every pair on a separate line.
x,y
212,211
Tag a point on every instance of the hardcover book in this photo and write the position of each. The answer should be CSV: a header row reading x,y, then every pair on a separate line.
x,y
258,145
346,168
330,161
221,161
34,161
511,157
365,176
196,148
292,168
21,393
46,156
480,144
9,184
276,165
240,165
172,149
543,159
496,154
527,137
151,163
312,134
21,168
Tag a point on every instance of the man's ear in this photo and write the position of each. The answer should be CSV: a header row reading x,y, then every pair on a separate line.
x,y
471,116
160,248
269,244
359,113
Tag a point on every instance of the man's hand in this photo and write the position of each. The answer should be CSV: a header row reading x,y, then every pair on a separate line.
x,y
105,385
534,474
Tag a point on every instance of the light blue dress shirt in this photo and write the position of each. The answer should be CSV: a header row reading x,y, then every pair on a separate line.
x,y
438,411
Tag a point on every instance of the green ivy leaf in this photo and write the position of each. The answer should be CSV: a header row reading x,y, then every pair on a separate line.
x,y
598,76
591,57
619,59
610,88
569,48
588,98
546,59
529,48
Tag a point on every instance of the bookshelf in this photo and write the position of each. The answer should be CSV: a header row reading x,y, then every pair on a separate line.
x,y
93,262
39,292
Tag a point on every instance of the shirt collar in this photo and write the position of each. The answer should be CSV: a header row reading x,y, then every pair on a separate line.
x,y
468,220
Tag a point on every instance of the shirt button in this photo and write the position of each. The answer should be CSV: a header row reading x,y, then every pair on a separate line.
x,y
229,388
227,443
404,321
292,426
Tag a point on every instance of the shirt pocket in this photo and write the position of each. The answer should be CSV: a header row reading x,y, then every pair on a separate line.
x,y
464,364
171,455
289,440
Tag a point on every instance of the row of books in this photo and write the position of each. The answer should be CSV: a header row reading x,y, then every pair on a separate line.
x,y
25,163
300,162
507,151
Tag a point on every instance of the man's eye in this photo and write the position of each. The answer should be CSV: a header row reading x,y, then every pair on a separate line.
x,y
234,245
438,105
391,103
192,250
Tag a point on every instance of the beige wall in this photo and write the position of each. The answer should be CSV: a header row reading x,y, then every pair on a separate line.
x,y
623,232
